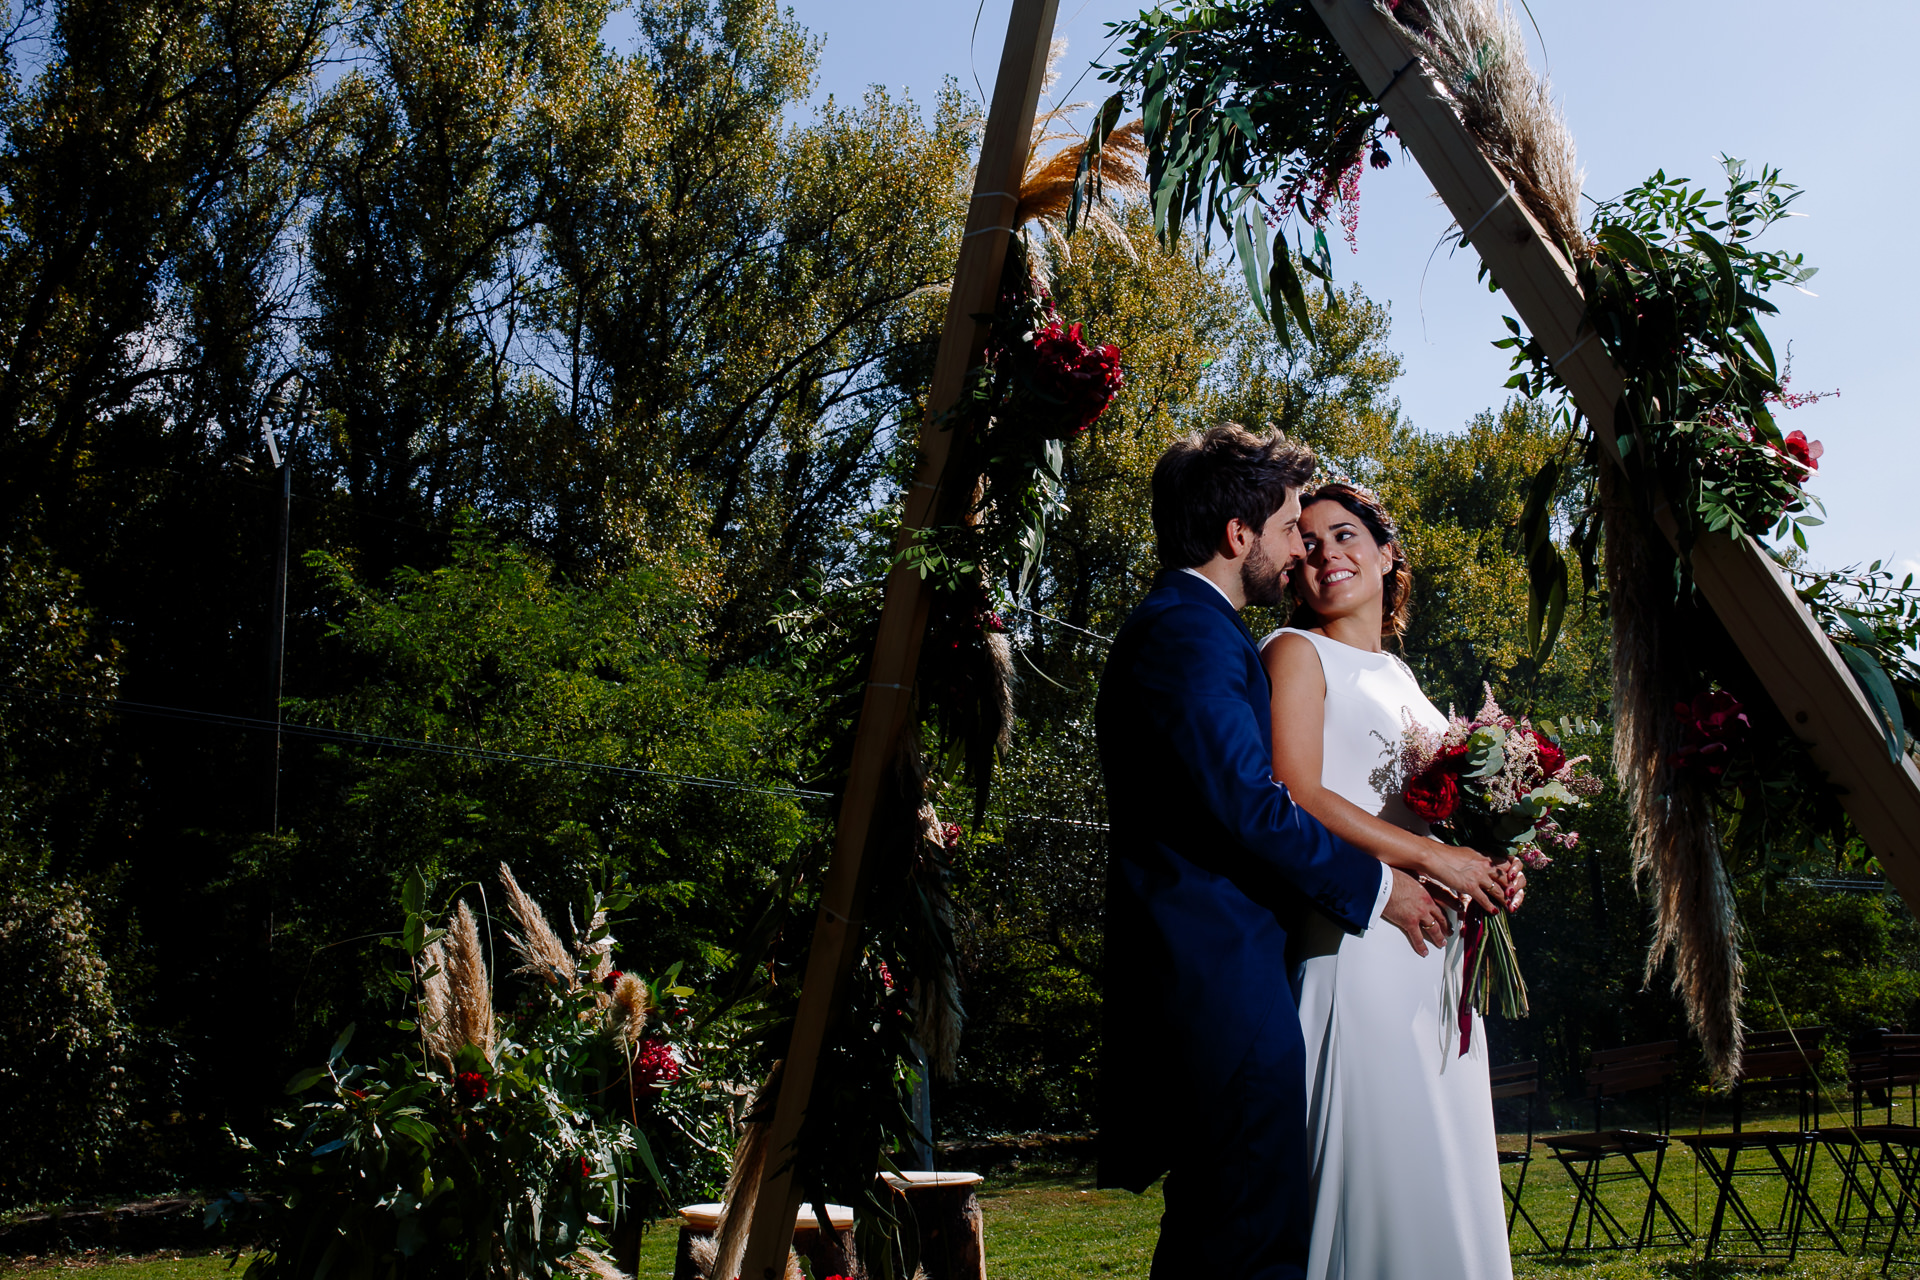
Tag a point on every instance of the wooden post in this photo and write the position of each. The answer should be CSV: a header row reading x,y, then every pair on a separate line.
x,y
1803,674
903,619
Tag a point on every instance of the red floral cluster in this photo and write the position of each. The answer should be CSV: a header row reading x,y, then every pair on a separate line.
x,y
471,1086
1803,451
1435,794
1715,726
656,1065
1083,378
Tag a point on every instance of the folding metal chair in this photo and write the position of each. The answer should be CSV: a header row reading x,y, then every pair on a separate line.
x,y
1863,1181
1900,1157
1612,1073
1902,1053
1778,1063
1520,1080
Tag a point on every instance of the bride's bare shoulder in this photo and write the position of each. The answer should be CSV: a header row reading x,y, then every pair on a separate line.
x,y
1292,660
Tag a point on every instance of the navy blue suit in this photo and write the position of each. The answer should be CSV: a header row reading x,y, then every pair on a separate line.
x,y
1202,1068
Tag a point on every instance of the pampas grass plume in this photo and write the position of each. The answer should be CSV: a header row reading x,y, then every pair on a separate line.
x,y
627,1007
540,950
469,993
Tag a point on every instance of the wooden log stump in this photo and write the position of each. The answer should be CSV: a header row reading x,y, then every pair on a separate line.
x,y
944,1211
828,1253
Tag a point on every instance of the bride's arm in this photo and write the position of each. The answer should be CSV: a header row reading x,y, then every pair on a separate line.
x,y
1299,723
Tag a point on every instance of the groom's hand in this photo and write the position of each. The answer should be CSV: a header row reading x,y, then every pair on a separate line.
x,y
1412,910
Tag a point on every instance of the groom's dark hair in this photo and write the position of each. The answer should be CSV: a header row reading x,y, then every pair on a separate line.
x,y
1221,474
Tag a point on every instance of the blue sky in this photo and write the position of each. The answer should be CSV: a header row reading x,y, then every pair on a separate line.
x,y
1826,93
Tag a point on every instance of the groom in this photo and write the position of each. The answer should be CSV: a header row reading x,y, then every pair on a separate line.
x,y
1202,1069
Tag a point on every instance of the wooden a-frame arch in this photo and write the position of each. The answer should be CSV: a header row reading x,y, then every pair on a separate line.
x,y
1776,633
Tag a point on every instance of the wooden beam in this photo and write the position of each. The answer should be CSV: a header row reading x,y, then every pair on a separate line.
x,y
1793,658
888,700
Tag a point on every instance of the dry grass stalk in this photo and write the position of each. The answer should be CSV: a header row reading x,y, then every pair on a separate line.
x,y
591,1264
469,994
627,1010
937,1012
705,1249
1046,192
744,1179
540,950
1676,842
1480,54
436,1005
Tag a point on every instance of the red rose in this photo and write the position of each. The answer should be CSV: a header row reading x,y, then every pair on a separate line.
x,y
1804,451
612,979
656,1065
471,1086
1435,794
586,1170
1713,726
1552,758
1083,379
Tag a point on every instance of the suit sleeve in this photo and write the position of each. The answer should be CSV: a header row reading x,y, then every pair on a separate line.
x,y
1193,681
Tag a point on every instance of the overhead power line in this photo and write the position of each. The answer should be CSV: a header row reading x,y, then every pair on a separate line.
x,y
357,737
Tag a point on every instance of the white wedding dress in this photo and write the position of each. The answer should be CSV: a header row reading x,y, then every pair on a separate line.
x,y
1406,1175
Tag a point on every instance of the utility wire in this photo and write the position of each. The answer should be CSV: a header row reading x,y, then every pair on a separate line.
x,y
357,737
413,744
1068,625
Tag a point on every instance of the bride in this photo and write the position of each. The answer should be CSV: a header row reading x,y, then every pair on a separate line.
x,y
1406,1176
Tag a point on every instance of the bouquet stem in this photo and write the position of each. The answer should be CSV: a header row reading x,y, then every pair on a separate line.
x,y
1493,983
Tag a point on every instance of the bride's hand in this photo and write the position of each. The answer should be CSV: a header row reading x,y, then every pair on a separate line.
x,y
1469,874
1516,877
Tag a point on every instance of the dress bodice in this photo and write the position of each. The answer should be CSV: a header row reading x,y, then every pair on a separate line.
x,y
1371,699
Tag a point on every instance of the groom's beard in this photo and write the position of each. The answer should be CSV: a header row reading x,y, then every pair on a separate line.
x,y
1264,581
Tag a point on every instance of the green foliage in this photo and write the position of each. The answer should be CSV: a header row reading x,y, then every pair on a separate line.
x,y
495,651
1236,97
511,1156
64,1096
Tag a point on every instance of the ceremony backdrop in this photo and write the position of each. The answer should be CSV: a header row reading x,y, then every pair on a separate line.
x,y
1786,85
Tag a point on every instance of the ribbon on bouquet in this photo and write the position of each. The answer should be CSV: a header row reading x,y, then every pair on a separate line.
x,y
1473,928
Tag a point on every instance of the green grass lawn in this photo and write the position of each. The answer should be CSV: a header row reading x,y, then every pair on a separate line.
x,y
1053,1225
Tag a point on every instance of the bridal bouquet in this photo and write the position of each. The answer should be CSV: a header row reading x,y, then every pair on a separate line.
x,y
1495,784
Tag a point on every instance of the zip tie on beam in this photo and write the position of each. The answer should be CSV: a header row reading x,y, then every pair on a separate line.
x,y
836,917
1381,97
1505,196
988,195
875,684
1575,347
983,230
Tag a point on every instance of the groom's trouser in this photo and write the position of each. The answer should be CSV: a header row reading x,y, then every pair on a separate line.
x,y
1237,1195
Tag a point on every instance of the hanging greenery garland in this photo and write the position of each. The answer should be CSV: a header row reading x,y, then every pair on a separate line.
x,y
1255,120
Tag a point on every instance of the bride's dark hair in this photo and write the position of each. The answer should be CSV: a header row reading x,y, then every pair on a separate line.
x,y
1396,588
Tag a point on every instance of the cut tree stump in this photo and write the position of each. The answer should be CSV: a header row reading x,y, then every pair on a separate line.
x,y
827,1253
944,1211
